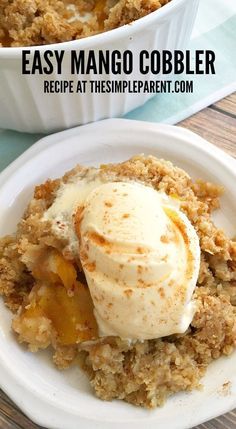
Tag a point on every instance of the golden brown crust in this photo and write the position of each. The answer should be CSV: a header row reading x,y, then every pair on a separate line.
x,y
40,22
126,11
143,373
15,279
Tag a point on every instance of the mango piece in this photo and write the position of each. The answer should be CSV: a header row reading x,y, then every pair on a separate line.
x,y
71,315
63,268
62,299
99,10
55,269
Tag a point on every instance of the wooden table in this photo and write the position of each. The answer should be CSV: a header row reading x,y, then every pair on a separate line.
x,y
217,124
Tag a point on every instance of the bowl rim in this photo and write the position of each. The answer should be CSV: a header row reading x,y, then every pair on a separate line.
x,y
124,31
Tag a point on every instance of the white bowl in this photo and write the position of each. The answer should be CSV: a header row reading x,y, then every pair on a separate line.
x,y
64,400
25,107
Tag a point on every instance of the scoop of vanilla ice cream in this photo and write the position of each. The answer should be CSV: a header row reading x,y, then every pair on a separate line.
x,y
141,258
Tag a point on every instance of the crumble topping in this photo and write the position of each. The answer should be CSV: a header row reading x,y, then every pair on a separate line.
x,y
42,22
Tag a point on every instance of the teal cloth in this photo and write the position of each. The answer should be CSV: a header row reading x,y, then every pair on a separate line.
x,y
172,108
168,108
13,144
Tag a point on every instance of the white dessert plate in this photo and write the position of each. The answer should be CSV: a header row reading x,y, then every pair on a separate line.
x,y
63,399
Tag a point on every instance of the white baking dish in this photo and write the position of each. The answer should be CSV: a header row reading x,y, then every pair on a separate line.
x,y
25,107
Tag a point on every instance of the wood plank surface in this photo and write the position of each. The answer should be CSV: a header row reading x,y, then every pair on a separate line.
x,y
217,124
227,105
11,416
216,127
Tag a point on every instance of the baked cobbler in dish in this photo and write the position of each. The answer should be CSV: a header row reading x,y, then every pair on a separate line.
x,y
121,270
41,22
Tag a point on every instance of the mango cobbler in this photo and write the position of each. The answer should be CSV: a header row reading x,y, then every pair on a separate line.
x,y
120,269
42,22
